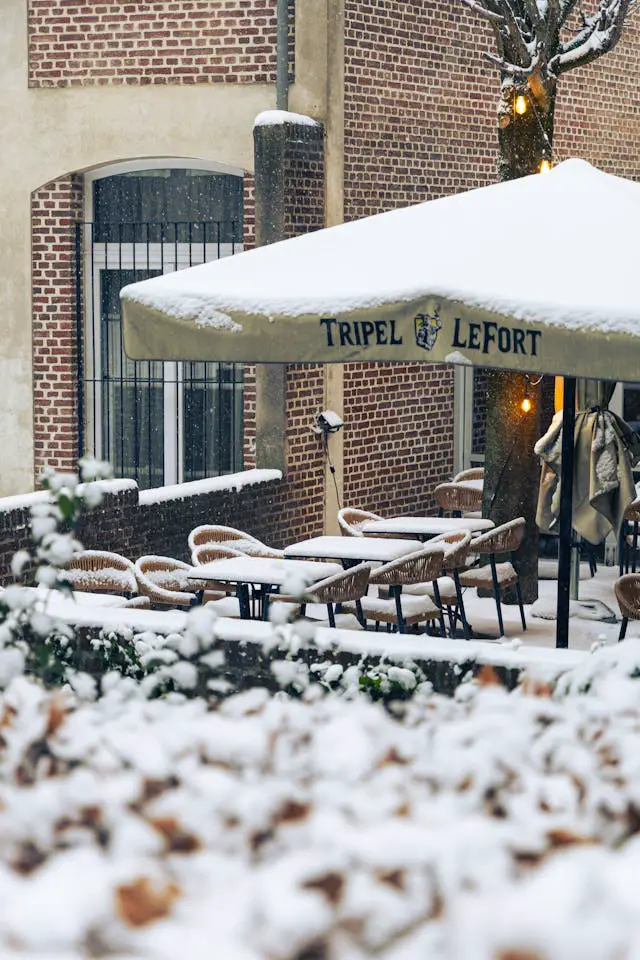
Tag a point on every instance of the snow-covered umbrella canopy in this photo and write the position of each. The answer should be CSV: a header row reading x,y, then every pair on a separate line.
x,y
538,274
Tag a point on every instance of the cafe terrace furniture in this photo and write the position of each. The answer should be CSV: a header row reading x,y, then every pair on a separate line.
x,y
473,473
351,520
345,589
423,528
501,541
398,610
98,571
352,550
458,498
267,573
216,534
627,590
166,582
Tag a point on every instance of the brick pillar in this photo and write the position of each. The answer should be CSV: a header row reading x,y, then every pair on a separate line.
x,y
55,209
289,200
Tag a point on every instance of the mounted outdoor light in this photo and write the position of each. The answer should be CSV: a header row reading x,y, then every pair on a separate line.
x,y
545,167
527,405
520,106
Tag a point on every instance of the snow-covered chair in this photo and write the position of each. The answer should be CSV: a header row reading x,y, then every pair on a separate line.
x,y
627,591
457,499
218,535
98,571
351,521
398,609
345,589
165,582
473,473
502,541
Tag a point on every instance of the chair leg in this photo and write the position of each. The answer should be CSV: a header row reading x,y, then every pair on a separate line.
x,y
621,548
436,597
401,623
463,613
360,614
519,595
635,546
332,617
496,593
623,629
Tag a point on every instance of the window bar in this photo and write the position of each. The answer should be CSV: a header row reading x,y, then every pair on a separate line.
x,y
79,340
218,235
136,412
220,398
162,226
122,463
179,475
105,405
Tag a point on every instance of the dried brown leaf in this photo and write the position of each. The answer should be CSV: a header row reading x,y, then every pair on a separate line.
x,y
562,837
57,712
487,677
176,838
393,878
331,885
291,811
139,903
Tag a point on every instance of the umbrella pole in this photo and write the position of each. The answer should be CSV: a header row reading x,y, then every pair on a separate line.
x,y
566,512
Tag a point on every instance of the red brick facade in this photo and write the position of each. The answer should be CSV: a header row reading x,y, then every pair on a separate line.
x,y
76,43
54,209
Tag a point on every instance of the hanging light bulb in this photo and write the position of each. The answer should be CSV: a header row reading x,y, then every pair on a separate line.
x,y
520,105
545,167
526,404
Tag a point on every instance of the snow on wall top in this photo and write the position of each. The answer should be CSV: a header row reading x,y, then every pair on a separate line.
x,y
557,249
272,118
233,481
23,501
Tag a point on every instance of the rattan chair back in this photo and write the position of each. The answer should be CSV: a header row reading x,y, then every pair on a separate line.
x,y
457,546
627,591
422,566
347,585
216,534
456,498
474,473
503,539
632,513
164,581
351,520
98,571
209,552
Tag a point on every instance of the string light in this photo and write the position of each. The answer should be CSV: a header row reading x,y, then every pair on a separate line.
x,y
545,167
526,404
520,105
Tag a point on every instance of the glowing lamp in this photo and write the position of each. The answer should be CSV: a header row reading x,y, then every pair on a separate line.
x,y
526,404
520,105
545,167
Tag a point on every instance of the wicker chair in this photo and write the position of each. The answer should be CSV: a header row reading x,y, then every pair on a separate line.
x,y
457,499
628,544
627,590
401,610
474,473
97,571
351,521
345,589
501,541
214,535
164,581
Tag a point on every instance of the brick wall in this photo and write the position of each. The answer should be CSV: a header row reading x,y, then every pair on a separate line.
x,y
54,210
397,436
123,525
76,43
304,181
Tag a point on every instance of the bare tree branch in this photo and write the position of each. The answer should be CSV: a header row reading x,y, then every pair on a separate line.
x,y
599,35
483,12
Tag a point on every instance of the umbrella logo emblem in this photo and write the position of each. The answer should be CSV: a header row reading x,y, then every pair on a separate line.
x,y
427,328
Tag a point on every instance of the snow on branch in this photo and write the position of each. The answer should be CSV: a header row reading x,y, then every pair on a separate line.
x,y
528,34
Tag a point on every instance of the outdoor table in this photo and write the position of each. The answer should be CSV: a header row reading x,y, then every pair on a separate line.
x,y
424,528
353,550
267,572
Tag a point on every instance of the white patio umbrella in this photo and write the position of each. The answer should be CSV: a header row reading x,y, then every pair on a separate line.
x,y
538,274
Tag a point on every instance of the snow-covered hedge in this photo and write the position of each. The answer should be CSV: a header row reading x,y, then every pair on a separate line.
x,y
491,825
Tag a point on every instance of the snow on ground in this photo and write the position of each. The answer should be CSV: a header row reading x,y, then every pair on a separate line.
x,y
485,827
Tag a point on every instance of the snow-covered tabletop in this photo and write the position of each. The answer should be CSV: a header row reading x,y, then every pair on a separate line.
x,y
264,570
424,526
353,548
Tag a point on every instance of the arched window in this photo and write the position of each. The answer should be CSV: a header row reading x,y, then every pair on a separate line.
x,y
157,422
